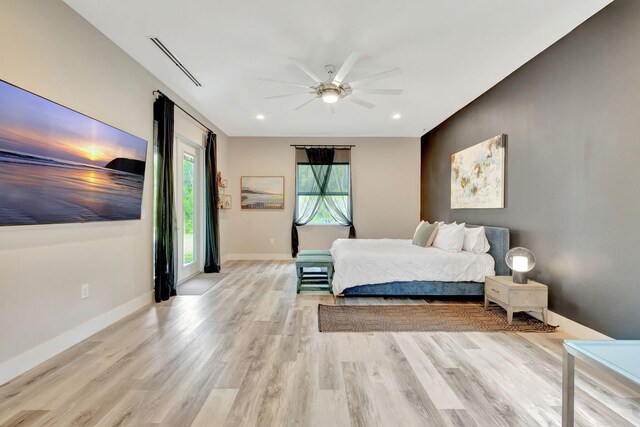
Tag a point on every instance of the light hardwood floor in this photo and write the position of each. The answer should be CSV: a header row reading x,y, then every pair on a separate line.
x,y
248,352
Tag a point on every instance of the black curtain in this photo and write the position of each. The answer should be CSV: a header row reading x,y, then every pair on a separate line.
x,y
320,161
212,234
164,236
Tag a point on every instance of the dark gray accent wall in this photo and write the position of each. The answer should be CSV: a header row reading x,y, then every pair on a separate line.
x,y
572,116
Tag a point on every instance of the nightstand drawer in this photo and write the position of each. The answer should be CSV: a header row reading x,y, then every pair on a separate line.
x,y
530,296
496,290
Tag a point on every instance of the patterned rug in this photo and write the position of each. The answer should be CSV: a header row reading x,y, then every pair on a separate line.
x,y
424,318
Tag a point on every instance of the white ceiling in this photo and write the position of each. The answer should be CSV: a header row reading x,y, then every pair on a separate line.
x,y
450,52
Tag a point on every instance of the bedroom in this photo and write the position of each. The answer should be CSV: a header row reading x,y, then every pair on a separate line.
x,y
559,78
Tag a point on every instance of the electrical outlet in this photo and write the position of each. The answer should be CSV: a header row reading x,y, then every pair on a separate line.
x,y
84,291
272,240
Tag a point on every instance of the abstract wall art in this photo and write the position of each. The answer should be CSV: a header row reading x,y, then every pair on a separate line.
x,y
477,175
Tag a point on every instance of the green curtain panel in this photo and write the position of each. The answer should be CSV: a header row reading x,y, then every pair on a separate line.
x,y
212,233
323,187
164,227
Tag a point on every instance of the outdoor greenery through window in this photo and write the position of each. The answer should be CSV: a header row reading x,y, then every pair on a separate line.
x,y
338,189
188,169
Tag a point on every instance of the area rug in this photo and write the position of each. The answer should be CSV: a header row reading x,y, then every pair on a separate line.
x,y
424,318
200,284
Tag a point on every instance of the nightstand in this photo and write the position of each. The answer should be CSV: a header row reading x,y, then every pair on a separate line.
x,y
514,296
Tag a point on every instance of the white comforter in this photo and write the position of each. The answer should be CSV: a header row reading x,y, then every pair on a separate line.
x,y
369,261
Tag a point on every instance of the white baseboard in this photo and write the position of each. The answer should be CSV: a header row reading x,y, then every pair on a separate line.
x,y
573,328
257,257
32,358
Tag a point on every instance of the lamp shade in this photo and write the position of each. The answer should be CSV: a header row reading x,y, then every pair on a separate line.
x,y
521,260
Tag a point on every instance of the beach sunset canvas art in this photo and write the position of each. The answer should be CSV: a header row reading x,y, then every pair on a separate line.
x,y
262,192
60,166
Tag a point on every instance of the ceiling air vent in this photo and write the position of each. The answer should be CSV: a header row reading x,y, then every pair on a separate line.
x,y
175,60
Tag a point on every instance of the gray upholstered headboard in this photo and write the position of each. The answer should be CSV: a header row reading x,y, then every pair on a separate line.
x,y
498,238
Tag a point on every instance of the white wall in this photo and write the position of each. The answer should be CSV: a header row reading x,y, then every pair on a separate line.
x,y
386,193
50,50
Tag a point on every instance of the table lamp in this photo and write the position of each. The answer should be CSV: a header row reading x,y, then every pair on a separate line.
x,y
521,261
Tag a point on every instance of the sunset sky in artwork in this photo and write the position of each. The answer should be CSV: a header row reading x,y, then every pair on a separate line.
x,y
33,125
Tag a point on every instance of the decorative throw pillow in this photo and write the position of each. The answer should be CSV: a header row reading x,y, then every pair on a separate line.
x,y
417,227
425,234
450,237
475,240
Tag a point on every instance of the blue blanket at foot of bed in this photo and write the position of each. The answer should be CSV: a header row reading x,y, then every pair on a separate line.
x,y
418,289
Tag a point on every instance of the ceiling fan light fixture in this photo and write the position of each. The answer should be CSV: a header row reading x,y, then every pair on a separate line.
x,y
330,95
335,88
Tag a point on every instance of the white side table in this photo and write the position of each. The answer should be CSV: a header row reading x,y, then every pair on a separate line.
x,y
515,297
620,359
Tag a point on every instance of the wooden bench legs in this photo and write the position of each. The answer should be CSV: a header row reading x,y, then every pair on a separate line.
x,y
315,273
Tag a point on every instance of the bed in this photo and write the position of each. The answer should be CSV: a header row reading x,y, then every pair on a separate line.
x,y
395,267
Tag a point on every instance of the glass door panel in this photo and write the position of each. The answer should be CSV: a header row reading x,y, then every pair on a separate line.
x,y
188,176
188,196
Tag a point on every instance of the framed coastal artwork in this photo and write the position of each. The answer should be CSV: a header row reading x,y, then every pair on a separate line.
x,y
60,166
262,192
477,175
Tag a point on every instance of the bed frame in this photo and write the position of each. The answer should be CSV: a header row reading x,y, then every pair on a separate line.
x,y
498,240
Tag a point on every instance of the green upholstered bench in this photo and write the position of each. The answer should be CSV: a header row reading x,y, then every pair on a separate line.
x,y
309,268
314,252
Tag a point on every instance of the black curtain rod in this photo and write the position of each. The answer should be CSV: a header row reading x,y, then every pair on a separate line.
x,y
185,111
314,146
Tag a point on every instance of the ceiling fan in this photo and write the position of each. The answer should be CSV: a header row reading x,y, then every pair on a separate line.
x,y
335,88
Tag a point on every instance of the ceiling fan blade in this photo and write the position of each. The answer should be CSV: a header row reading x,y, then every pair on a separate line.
x,y
286,83
361,102
332,107
289,94
346,67
306,70
378,76
379,91
308,102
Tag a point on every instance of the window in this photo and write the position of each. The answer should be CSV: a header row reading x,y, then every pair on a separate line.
x,y
338,189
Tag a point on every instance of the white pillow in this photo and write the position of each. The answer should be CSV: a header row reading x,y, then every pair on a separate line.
x,y
475,241
450,237
441,223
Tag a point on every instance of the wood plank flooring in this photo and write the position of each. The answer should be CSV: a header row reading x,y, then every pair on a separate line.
x,y
248,352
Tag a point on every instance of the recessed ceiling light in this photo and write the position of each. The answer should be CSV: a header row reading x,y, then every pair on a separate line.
x,y
260,117
396,116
